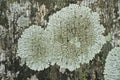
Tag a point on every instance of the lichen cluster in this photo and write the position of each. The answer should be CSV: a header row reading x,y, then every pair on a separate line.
x,y
23,21
33,48
73,37
77,35
112,65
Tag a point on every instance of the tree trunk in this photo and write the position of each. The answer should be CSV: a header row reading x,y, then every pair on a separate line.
x,y
38,12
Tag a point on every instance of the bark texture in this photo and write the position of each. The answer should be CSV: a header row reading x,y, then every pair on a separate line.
x,y
38,12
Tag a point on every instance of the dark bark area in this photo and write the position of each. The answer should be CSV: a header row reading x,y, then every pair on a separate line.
x,y
10,68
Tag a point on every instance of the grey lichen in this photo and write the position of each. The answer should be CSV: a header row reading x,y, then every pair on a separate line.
x,y
73,36
23,21
112,65
76,35
33,48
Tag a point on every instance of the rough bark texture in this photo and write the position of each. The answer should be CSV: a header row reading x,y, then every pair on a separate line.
x,y
10,68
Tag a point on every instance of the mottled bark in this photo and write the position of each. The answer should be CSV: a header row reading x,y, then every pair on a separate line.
x,y
10,68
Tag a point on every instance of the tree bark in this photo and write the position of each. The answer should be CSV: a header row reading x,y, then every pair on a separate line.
x,y
38,12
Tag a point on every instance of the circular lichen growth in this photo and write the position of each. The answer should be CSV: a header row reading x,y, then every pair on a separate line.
x,y
76,35
33,47
112,65
23,21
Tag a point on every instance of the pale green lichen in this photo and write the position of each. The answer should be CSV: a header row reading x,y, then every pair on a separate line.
x,y
112,65
76,34
33,48
87,2
23,21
